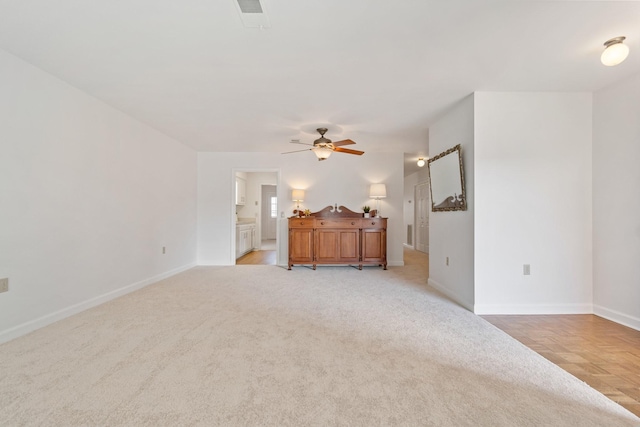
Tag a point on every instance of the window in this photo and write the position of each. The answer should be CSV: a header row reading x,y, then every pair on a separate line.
x,y
274,207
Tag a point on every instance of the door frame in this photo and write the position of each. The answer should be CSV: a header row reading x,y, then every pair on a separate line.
x,y
415,215
262,208
232,207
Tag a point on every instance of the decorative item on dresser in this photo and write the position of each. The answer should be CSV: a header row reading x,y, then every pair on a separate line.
x,y
337,236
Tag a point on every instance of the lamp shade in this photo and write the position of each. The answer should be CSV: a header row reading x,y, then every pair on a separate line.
x,y
615,52
322,152
297,195
420,162
378,191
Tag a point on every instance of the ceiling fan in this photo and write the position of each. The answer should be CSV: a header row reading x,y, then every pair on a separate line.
x,y
323,147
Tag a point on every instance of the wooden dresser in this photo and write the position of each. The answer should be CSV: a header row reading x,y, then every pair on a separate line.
x,y
337,236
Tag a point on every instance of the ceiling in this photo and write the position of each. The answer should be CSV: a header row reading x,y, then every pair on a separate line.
x,y
378,72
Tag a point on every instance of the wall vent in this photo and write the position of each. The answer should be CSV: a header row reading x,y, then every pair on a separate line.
x,y
253,14
250,6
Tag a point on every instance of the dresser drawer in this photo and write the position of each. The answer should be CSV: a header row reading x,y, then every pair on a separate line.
x,y
300,222
338,223
375,223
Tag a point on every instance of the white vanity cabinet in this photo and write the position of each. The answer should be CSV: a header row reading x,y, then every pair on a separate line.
x,y
245,239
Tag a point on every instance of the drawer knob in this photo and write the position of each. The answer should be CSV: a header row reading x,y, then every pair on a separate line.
x,y
301,222
322,223
373,223
353,223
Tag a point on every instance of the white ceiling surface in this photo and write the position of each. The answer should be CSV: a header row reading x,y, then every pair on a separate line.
x,y
376,71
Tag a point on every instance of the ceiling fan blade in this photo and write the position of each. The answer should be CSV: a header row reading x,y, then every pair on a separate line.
x,y
296,151
343,142
348,151
297,141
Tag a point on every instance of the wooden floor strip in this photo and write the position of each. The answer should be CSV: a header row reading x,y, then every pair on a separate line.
x,y
602,353
258,258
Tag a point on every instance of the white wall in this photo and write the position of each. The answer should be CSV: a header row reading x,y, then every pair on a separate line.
x,y
451,233
533,202
342,180
616,202
88,197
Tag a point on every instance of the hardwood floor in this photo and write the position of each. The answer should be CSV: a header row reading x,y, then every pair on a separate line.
x,y
265,256
413,257
258,258
600,352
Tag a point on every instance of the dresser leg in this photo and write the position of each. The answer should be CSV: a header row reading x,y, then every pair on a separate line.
x,y
314,266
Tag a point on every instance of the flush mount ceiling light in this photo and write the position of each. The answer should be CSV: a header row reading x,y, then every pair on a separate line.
x,y
615,51
420,162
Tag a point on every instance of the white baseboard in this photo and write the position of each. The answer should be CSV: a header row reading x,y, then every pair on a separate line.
x,y
448,292
533,309
406,245
48,319
616,316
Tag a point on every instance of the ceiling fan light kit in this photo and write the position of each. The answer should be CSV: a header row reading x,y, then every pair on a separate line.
x,y
323,147
323,153
615,51
420,162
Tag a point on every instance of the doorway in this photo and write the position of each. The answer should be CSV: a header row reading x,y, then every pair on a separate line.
x,y
269,217
256,219
422,217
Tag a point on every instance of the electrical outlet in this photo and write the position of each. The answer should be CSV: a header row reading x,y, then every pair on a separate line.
x,y
447,260
526,269
4,285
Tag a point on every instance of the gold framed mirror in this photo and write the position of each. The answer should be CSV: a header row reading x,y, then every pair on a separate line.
x,y
446,181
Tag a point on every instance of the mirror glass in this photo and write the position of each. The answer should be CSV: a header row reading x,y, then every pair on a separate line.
x,y
446,180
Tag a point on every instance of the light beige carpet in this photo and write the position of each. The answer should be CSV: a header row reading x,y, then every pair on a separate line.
x,y
260,345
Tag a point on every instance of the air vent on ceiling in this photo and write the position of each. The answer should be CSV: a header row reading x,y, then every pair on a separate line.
x,y
250,6
253,13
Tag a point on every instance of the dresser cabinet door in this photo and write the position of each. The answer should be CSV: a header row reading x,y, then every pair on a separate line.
x,y
374,241
300,246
